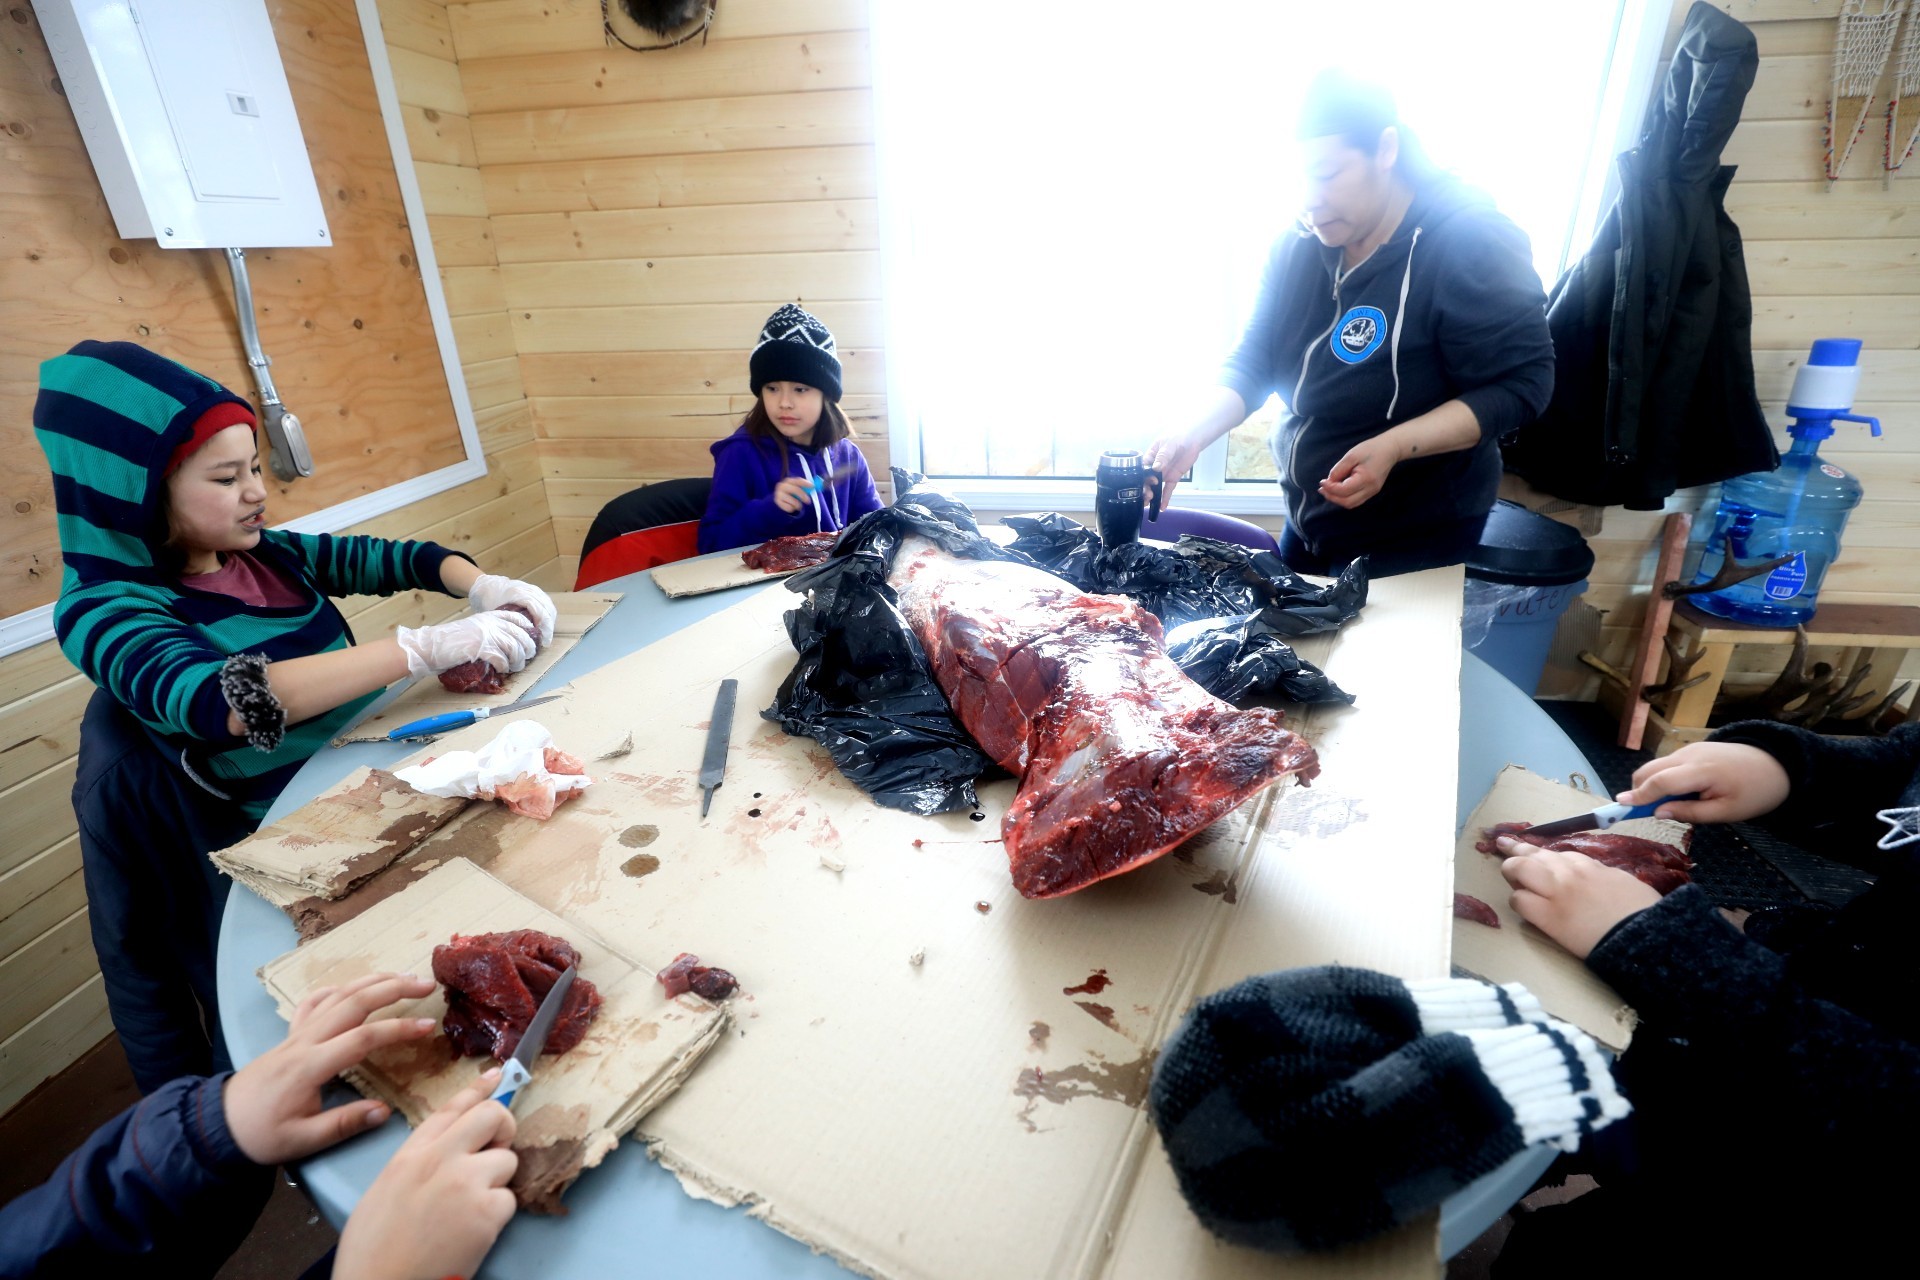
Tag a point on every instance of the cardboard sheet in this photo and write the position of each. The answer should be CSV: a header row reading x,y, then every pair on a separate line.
x,y
352,830
697,577
579,612
929,1076
638,1050
1516,951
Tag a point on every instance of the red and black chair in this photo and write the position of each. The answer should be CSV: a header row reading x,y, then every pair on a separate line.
x,y
654,524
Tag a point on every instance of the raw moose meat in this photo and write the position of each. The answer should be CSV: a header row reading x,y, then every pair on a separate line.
x,y
1661,866
686,973
495,983
479,676
1468,907
538,797
1120,756
784,555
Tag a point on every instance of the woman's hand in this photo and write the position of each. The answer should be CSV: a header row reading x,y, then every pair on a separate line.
x,y
441,1201
490,591
1362,471
504,640
792,495
1735,782
1172,457
1568,896
273,1103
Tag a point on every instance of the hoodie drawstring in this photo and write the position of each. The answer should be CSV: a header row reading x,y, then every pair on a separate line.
x,y
1399,318
813,495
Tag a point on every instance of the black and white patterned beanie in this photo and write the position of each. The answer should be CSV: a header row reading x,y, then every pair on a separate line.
x,y
1314,1108
795,347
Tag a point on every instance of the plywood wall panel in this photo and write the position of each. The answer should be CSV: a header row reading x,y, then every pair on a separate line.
x,y
48,1043
641,373
39,893
689,327
646,182
830,118
815,226
807,278
419,25
730,68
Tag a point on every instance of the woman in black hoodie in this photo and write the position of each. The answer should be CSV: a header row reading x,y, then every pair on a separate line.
x,y
1405,330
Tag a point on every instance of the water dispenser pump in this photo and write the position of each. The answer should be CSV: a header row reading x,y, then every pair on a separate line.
x,y
1795,513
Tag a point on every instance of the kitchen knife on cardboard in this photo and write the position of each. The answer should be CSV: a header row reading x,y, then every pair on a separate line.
x,y
517,1070
445,722
713,767
1603,817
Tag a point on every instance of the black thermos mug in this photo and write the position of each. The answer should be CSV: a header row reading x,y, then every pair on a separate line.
x,y
1118,493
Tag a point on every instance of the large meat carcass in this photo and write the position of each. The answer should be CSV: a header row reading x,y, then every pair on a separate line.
x,y
1120,755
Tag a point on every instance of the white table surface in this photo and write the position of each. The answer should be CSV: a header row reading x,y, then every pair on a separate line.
x,y
629,1207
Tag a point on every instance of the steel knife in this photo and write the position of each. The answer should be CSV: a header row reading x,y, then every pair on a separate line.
x,y
517,1070
1603,817
713,768
445,722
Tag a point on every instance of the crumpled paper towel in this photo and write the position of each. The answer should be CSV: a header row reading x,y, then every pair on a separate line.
x,y
517,767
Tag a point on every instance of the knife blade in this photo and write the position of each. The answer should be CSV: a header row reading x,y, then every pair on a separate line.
x,y
819,483
445,722
713,767
1603,817
517,1070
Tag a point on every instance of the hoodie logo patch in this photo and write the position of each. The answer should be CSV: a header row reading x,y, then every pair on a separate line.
x,y
1359,334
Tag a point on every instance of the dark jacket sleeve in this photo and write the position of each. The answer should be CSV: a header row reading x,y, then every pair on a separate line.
x,y
741,511
1251,372
1491,322
161,1186
1837,785
1695,977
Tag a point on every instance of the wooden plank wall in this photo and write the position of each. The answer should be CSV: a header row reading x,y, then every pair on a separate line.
x,y
52,1008
652,209
1837,262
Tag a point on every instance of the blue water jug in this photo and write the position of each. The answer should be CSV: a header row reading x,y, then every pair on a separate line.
x,y
1798,509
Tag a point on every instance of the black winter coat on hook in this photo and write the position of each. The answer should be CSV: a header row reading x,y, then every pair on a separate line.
x,y
664,17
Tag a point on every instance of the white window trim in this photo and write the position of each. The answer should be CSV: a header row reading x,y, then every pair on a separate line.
x,y
1637,42
35,626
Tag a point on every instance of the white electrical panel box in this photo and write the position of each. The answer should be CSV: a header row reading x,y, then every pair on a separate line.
x,y
185,110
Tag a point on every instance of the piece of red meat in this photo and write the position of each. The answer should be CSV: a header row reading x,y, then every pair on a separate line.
x,y
686,973
1468,907
495,983
784,555
1120,755
1663,867
479,676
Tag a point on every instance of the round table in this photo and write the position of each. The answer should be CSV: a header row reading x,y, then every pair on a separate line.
x,y
683,1235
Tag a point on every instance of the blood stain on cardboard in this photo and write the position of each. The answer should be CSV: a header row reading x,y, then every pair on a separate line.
x,y
1123,1082
640,864
1096,982
1101,1013
1038,1033
639,837
1221,884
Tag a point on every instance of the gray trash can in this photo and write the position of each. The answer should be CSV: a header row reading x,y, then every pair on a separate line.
x,y
1520,579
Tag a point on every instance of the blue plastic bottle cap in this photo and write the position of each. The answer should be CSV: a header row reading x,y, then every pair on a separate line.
x,y
1843,351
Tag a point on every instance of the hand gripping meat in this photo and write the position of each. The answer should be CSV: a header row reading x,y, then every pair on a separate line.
x,y
1120,756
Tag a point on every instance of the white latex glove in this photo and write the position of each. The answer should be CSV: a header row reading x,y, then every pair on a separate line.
x,y
504,640
490,591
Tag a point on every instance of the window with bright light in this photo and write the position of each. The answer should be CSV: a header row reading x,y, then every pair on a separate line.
x,y
1078,201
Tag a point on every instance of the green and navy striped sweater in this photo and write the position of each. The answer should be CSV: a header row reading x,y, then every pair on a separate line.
x,y
109,416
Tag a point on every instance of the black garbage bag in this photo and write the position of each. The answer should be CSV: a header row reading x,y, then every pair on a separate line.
x,y
863,689
1230,604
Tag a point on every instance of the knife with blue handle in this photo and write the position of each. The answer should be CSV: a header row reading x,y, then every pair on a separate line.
x,y
517,1071
445,722
1603,817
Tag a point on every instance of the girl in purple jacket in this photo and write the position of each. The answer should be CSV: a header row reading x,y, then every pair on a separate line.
x,y
790,468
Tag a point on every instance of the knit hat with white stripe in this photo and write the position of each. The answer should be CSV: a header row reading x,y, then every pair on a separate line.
x,y
1314,1108
795,347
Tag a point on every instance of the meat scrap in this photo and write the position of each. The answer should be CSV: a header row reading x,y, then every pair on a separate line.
x,y
1120,755
479,676
538,797
784,555
495,983
1468,907
1663,867
686,973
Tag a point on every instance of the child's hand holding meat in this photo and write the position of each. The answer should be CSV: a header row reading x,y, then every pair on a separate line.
x,y
1735,782
1570,897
